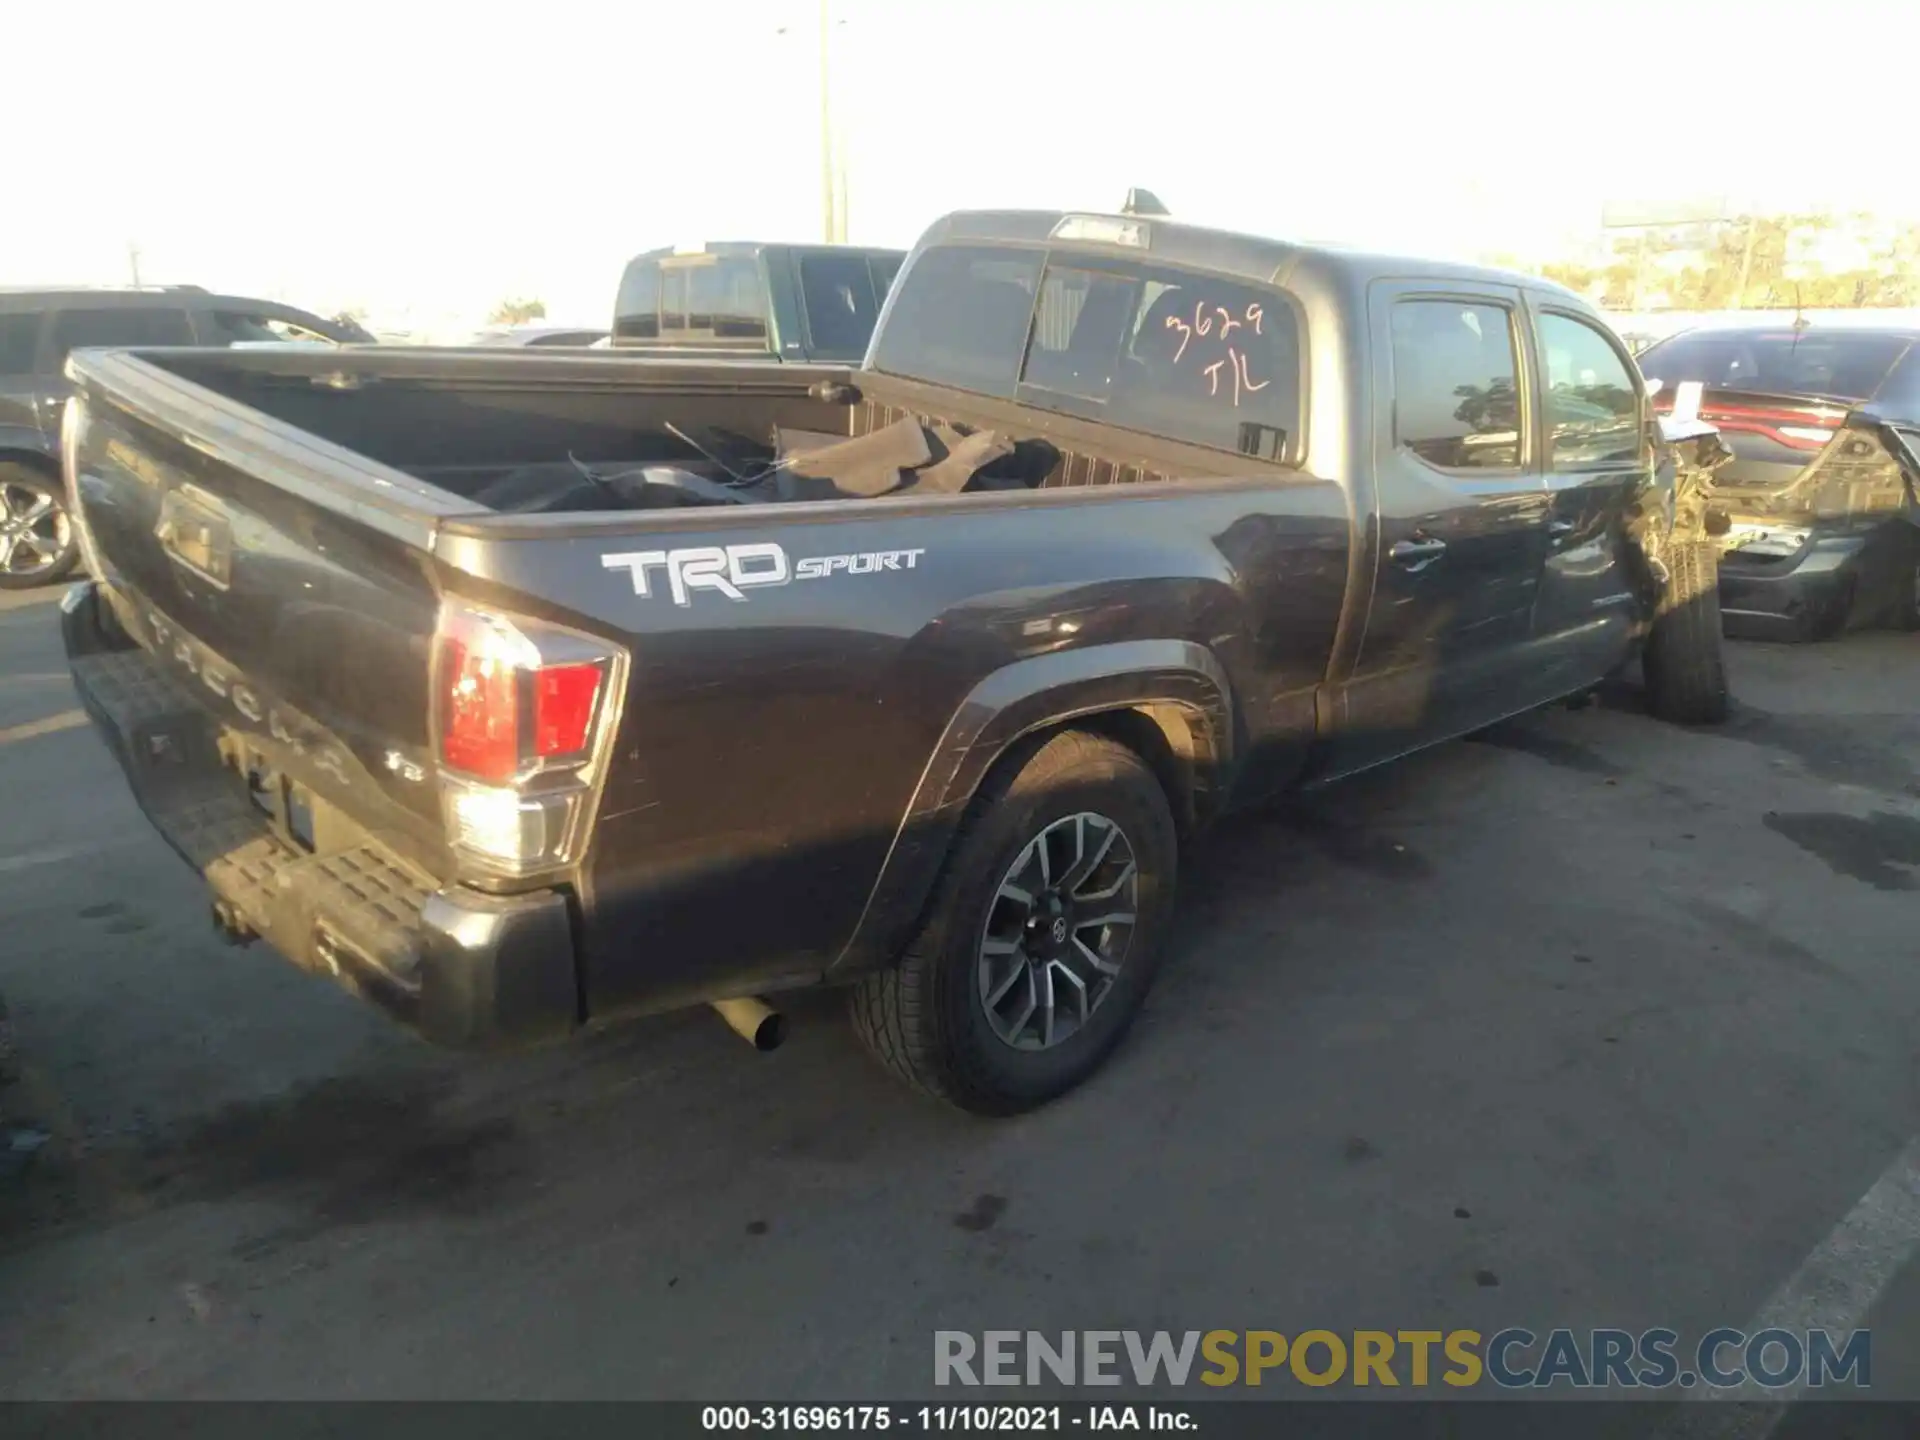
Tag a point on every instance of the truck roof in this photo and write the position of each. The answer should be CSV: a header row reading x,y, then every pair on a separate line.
x,y
1255,258
16,297
755,247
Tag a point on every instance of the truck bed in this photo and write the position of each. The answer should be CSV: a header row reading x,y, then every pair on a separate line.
x,y
278,536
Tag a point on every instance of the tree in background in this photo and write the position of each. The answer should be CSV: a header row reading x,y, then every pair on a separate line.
x,y
518,312
1750,263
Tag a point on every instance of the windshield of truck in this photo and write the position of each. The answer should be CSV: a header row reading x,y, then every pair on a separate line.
x,y
1846,366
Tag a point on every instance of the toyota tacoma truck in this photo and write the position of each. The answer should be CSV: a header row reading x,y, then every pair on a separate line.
x,y
518,694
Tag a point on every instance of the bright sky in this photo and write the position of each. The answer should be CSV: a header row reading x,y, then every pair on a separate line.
x,y
429,160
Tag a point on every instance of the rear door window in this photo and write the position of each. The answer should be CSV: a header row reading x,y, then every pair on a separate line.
x,y
839,295
79,329
1836,363
1455,400
238,327
19,335
961,317
1593,413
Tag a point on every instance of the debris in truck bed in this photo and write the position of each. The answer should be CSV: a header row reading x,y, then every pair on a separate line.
x,y
904,458
864,467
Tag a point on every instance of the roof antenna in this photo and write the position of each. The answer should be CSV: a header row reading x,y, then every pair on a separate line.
x,y
1143,202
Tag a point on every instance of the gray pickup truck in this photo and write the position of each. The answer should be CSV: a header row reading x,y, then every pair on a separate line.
x,y
519,693
798,304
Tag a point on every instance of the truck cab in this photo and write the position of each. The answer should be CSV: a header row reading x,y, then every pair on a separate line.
x,y
792,303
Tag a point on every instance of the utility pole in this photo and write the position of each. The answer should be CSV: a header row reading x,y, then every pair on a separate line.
x,y
1746,263
133,262
829,190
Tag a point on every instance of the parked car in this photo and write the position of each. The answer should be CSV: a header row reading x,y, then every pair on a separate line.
x,y
38,328
1824,425
794,303
541,335
556,690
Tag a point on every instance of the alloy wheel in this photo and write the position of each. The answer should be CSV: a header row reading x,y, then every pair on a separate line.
x,y
35,533
1057,931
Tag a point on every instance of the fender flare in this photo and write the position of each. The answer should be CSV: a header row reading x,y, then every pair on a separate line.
x,y
17,440
1003,709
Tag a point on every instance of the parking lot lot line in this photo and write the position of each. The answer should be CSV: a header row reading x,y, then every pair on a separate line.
x,y
52,725
57,854
1833,1289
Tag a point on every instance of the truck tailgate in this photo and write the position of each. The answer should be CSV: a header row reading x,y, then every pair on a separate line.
x,y
298,609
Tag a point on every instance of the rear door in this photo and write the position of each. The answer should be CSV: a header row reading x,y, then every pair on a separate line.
x,y
1598,459
20,384
83,327
1462,533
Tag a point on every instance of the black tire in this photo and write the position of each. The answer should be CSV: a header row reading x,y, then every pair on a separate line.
x,y
1684,661
925,1017
18,482
1903,610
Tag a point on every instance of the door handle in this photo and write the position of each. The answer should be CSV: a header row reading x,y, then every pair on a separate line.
x,y
1416,554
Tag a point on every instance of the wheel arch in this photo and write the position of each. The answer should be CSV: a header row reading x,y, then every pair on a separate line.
x,y
1168,701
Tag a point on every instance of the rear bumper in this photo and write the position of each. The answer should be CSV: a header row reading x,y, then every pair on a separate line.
x,y
1794,598
459,967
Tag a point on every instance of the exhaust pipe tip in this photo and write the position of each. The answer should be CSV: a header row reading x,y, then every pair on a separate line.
x,y
754,1021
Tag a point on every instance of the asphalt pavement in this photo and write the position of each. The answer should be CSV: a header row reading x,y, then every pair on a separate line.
x,y
1591,1021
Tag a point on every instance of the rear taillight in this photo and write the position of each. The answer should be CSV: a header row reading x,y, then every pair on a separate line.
x,y
1798,427
520,710
564,697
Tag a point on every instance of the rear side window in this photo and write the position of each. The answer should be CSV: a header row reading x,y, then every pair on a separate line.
x,y
78,329
17,336
839,295
235,327
960,318
1593,414
1188,357
1844,365
1455,403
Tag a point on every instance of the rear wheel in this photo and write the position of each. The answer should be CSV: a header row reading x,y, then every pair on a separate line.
x,y
1684,659
37,543
1043,935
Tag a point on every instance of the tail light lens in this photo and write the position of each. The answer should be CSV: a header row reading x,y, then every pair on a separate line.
x,y
521,710
1798,427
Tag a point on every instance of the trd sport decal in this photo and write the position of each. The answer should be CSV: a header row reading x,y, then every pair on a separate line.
x,y
732,570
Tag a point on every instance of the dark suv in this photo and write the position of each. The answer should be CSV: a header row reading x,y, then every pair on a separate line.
x,y
38,328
